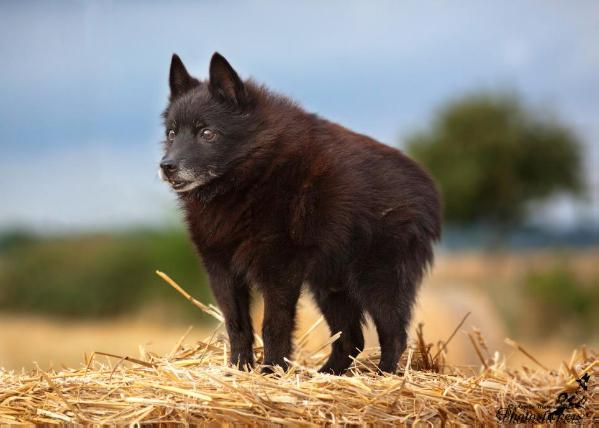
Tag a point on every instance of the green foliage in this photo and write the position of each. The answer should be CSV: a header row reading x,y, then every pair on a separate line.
x,y
561,300
100,275
491,157
559,292
15,238
550,300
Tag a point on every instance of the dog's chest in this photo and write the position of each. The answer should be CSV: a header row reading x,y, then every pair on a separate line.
x,y
227,224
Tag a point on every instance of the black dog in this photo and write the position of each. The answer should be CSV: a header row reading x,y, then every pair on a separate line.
x,y
275,197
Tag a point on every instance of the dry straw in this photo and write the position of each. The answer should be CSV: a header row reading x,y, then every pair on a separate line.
x,y
194,384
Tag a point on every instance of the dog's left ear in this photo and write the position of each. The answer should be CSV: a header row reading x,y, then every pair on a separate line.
x,y
179,79
225,83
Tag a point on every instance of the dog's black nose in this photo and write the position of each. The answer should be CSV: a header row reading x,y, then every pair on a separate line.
x,y
168,166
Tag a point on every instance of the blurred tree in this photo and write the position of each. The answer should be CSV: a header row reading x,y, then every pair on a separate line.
x,y
491,157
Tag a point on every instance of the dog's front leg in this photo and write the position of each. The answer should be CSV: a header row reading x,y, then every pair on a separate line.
x,y
233,297
280,305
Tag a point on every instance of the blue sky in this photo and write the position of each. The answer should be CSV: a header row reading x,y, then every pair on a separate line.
x,y
83,84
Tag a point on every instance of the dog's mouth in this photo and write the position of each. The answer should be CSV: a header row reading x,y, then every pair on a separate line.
x,y
178,184
181,186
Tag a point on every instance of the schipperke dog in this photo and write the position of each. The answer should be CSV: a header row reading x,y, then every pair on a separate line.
x,y
276,197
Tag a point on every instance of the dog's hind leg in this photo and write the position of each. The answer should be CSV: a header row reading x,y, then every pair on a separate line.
x,y
391,329
390,305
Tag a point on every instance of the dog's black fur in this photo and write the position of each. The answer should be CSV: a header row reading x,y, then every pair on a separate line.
x,y
275,197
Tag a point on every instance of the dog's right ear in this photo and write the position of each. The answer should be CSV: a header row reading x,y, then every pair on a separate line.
x,y
179,79
224,82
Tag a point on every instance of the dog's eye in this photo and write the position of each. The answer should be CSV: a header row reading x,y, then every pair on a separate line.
x,y
208,134
170,136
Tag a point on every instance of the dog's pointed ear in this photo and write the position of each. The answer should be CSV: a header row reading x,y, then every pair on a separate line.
x,y
179,79
225,83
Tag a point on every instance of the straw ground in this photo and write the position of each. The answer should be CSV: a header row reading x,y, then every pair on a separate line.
x,y
194,384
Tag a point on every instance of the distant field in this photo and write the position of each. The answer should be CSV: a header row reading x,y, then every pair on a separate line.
x,y
27,340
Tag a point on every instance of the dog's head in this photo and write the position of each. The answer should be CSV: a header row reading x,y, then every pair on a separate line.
x,y
208,125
